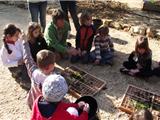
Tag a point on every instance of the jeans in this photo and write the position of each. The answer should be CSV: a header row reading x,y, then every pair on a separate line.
x,y
84,58
106,57
71,7
38,10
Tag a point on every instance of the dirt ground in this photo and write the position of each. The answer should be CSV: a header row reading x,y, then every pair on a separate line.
x,y
12,96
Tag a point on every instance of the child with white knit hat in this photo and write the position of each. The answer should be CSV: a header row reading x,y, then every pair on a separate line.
x,y
50,105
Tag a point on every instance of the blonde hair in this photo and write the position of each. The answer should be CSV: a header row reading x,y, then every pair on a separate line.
x,y
84,17
33,26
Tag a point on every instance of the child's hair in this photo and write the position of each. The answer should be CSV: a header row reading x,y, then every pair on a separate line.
x,y
9,29
141,115
45,58
104,30
57,14
84,17
142,42
33,26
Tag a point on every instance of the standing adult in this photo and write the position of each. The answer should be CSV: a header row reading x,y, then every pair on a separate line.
x,y
72,8
37,10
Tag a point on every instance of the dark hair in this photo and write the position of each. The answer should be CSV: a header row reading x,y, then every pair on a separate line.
x,y
9,29
45,58
57,14
33,26
103,30
142,42
84,17
141,115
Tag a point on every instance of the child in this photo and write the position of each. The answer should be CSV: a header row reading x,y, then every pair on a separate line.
x,y
56,34
141,115
50,105
140,61
84,39
103,53
35,39
45,63
12,55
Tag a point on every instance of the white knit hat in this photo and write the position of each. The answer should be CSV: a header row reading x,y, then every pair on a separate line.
x,y
72,111
54,88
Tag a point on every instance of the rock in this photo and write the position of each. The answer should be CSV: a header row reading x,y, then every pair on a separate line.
x,y
107,22
141,30
150,32
115,25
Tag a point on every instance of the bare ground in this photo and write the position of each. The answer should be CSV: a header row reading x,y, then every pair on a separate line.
x,y
12,96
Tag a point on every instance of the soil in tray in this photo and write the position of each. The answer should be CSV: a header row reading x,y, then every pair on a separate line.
x,y
93,82
140,93
82,73
82,89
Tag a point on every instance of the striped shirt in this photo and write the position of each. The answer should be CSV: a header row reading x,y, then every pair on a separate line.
x,y
102,44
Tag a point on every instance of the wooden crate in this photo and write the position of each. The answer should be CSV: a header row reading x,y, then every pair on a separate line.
x,y
136,98
81,82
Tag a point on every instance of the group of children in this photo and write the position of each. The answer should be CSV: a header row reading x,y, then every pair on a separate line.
x,y
31,59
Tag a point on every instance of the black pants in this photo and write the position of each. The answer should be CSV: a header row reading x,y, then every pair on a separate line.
x,y
156,71
71,7
133,65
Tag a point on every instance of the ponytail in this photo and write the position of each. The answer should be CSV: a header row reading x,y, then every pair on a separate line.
x,y
6,46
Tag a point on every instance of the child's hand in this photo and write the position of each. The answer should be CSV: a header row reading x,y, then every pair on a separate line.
x,y
20,62
23,37
72,51
86,107
97,61
81,104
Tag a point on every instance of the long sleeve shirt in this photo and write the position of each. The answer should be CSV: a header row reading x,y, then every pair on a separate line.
x,y
145,60
36,75
38,45
56,38
104,44
11,60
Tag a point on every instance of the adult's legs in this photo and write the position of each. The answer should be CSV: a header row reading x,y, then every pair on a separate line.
x,y
33,8
42,11
73,11
64,6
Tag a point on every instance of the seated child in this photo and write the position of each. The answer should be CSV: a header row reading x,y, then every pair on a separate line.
x,y
11,55
37,73
141,115
140,61
84,39
156,71
35,39
56,33
50,104
103,53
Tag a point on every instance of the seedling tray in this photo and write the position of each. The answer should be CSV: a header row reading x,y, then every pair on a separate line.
x,y
136,98
81,82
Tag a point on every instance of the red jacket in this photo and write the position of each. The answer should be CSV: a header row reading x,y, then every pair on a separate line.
x,y
59,114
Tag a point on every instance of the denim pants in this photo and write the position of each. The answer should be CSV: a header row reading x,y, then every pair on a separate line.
x,y
71,7
83,59
106,57
38,10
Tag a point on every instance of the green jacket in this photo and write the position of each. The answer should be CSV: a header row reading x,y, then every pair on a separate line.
x,y
53,40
